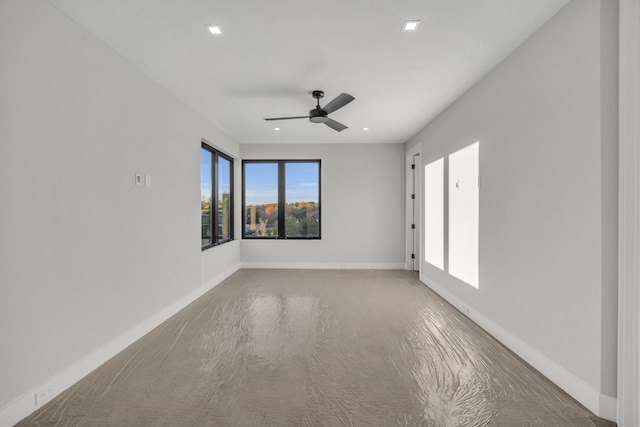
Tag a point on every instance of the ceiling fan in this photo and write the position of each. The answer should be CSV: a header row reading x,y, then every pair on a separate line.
x,y
320,114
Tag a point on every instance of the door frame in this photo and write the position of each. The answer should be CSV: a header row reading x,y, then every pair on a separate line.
x,y
410,153
629,217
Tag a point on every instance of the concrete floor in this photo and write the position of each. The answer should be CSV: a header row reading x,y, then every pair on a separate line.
x,y
316,348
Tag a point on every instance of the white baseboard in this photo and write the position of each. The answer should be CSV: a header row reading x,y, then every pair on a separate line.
x,y
26,404
327,265
608,408
601,405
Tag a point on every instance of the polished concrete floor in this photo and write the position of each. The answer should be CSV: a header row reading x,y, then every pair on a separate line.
x,y
316,348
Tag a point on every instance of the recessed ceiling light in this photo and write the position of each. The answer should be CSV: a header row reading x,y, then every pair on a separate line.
x,y
276,128
410,25
214,29
365,129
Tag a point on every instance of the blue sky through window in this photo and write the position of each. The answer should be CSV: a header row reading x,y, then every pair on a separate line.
x,y
301,182
261,182
224,185
205,175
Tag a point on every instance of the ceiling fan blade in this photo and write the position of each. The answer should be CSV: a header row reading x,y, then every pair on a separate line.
x,y
335,125
287,118
338,102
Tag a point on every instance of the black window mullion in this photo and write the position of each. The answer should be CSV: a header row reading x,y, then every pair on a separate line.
x,y
214,198
212,238
281,199
231,196
319,199
243,224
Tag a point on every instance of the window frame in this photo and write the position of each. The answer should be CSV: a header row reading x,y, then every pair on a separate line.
x,y
282,199
213,219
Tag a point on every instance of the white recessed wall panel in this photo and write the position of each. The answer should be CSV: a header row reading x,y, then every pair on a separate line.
x,y
434,213
464,209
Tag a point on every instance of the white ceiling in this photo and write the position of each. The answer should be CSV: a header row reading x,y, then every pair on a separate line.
x,y
274,53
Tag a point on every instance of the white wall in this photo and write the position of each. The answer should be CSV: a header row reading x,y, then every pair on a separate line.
x,y
362,214
85,255
548,145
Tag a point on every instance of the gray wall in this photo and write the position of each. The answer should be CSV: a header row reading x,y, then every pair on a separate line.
x,y
361,206
84,254
546,121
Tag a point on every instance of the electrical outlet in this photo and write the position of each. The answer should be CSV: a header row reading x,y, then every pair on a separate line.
x,y
45,394
147,180
464,309
138,179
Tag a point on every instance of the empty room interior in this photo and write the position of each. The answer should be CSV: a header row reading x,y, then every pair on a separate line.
x,y
292,213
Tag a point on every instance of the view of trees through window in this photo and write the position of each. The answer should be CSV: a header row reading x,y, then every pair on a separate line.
x,y
261,199
262,220
302,219
282,199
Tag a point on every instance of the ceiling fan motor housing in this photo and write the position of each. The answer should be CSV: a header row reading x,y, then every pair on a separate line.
x,y
318,115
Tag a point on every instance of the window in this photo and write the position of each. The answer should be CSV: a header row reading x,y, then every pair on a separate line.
x,y
281,199
216,200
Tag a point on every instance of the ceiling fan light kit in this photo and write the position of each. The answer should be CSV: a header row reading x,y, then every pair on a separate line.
x,y
321,114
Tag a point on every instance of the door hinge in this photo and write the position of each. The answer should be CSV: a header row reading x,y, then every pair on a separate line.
x,y
413,196
413,256
413,226
413,166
